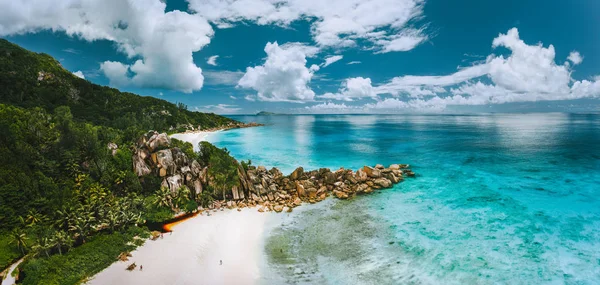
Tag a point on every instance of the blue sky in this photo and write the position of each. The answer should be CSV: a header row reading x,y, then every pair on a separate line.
x,y
393,56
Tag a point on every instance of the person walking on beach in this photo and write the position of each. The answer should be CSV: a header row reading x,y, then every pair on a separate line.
x,y
221,262
141,267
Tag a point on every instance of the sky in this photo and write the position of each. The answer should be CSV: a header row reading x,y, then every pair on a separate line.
x,y
335,56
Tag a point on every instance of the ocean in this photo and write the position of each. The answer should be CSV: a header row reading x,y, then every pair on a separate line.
x,y
498,198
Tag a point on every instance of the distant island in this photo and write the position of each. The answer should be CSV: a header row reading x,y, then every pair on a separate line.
x,y
265,113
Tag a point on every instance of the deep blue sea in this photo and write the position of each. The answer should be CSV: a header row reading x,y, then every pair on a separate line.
x,y
499,198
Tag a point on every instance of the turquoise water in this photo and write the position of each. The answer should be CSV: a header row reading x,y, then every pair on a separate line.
x,y
499,199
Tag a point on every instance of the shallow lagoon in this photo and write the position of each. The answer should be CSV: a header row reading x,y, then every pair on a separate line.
x,y
500,198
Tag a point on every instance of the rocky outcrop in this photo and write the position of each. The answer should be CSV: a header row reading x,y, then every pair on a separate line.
x,y
154,155
270,190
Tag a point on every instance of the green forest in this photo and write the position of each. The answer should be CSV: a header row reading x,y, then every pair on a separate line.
x,y
67,202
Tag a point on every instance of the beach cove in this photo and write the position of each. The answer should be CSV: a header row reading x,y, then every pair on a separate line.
x,y
491,206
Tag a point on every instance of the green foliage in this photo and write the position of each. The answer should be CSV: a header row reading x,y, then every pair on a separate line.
x,y
190,206
19,73
205,199
186,147
223,168
81,262
65,197
246,164
9,252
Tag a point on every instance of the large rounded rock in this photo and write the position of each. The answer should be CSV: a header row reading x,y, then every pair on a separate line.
x,y
165,159
372,172
361,175
297,174
158,141
383,182
175,182
300,190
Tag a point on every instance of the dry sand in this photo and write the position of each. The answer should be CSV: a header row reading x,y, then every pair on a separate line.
x,y
193,137
192,253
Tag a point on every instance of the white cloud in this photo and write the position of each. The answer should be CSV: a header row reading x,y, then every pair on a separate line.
x,y
337,23
404,41
250,98
284,75
224,77
79,74
72,50
330,108
575,57
331,59
529,74
353,88
212,60
161,43
218,109
116,72
232,97
354,62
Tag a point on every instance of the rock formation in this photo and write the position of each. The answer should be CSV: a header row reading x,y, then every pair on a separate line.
x,y
153,155
273,191
268,189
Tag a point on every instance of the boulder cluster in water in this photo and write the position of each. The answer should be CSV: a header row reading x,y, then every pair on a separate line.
x,y
275,192
269,189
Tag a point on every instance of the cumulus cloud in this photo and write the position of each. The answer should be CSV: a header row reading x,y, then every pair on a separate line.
x,y
284,76
331,59
79,74
212,60
116,72
575,57
529,73
161,43
337,23
352,89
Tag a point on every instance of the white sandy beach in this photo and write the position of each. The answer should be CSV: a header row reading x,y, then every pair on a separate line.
x,y
194,137
192,253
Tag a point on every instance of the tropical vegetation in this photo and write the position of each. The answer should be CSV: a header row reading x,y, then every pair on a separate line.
x,y
69,199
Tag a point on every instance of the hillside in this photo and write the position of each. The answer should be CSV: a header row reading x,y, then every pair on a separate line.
x,y
68,193
30,79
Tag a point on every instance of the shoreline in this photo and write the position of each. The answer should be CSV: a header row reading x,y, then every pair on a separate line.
x,y
229,247
196,136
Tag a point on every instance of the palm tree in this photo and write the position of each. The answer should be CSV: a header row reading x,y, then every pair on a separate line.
x,y
112,220
82,227
44,244
65,217
163,197
62,240
34,217
19,238
183,196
